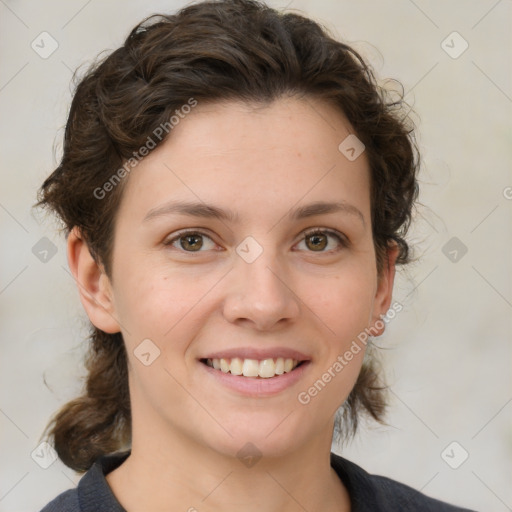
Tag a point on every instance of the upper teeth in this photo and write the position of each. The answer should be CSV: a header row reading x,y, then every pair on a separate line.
x,y
252,367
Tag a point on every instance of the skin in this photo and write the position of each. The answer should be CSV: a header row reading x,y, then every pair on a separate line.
x,y
187,427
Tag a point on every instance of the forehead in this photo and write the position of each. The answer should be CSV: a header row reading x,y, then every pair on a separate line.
x,y
251,158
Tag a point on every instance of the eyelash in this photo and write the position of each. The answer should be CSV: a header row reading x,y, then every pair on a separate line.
x,y
343,241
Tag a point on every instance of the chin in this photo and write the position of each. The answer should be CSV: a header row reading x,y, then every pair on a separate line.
x,y
261,434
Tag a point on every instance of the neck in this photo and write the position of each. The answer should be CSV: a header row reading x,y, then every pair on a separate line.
x,y
175,473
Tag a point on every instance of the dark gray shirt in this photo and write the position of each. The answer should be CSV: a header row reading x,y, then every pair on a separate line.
x,y
368,493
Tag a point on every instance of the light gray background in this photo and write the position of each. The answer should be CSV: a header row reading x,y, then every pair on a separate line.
x,y
448,352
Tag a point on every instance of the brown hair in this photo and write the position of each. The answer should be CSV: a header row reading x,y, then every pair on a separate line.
x,y
211,51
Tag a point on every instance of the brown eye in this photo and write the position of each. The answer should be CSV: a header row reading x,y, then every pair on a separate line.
x,y
318,240
191,241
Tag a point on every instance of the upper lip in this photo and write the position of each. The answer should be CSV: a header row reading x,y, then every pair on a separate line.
x,y
258,353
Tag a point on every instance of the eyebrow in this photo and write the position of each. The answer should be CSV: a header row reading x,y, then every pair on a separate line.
x,y
203,210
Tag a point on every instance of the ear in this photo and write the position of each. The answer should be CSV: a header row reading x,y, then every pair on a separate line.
x,y
93,284
384,292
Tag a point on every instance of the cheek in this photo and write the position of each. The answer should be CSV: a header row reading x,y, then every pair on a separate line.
x,y
343,306
343,303
159,306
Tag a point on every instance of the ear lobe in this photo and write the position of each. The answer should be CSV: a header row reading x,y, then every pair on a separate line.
x,y
382,301
93,284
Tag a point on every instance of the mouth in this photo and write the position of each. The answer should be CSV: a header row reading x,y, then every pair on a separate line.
x,y
254,368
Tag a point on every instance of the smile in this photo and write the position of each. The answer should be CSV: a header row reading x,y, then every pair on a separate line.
x,y
264,368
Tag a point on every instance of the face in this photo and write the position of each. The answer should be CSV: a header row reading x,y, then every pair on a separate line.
x,y
227,261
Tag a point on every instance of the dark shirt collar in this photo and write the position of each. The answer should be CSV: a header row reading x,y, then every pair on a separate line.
x,y
95,493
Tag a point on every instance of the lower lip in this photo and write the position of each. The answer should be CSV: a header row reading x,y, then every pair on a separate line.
x,y
257,386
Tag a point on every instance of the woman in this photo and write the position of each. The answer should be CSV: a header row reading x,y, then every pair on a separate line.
x,y
236,190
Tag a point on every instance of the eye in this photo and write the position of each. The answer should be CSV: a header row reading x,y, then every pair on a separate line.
x,y
189,241
318,239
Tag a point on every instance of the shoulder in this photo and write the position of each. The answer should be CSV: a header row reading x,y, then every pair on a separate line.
x,y
93,492
65,502
377,493
409,498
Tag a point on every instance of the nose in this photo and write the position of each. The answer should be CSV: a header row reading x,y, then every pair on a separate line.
x,y
260,294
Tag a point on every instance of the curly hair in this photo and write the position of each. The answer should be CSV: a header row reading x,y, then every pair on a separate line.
x,y
211,51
